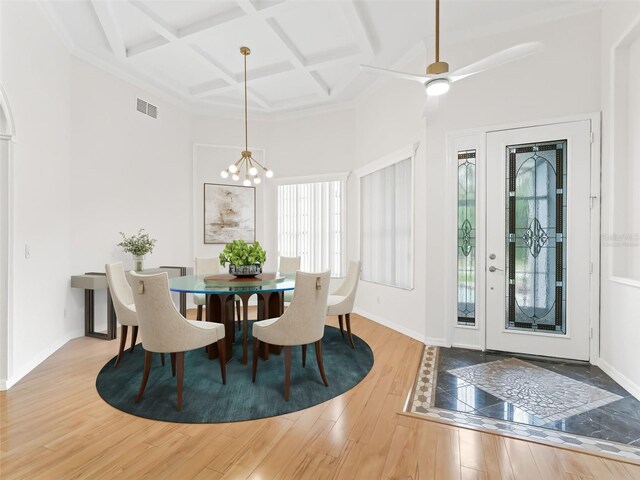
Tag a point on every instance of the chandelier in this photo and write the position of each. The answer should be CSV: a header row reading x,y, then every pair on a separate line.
x,y
246,165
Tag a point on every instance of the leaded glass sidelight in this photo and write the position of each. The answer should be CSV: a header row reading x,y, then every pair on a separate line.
x,y
467,237
536,236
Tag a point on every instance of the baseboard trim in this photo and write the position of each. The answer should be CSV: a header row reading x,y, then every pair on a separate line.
x,y
436,342
468,347
29,367
625,382
392,325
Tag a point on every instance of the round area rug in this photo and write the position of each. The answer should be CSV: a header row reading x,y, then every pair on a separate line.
x,y
206,400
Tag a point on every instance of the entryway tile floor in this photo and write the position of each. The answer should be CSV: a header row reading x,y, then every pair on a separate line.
x,y
557,402
565,396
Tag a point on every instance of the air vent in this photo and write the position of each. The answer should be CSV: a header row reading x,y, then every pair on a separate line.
x,y
152,110
141,106
146,108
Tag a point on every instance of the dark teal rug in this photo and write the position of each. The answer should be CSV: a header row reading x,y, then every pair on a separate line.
x,y
206,400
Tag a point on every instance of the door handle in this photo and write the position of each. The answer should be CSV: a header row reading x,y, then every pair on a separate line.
x,y
493,269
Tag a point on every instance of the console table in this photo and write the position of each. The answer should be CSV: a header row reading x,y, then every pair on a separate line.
x,y
92,281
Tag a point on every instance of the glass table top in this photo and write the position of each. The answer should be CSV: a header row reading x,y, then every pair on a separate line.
x,y
196,284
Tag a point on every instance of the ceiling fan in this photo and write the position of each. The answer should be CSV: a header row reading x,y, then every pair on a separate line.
x,y
438,79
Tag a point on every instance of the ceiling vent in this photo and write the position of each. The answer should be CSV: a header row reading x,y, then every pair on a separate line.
x,y
146,108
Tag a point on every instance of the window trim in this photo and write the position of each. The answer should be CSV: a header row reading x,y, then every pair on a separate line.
x,y
407,152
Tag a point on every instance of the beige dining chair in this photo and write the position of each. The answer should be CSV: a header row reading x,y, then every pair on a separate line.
x,y
288,266
340,302
210,266
122,298
164,330
301,324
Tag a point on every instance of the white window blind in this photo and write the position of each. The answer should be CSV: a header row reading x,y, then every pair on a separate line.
x,y
386,225
310,225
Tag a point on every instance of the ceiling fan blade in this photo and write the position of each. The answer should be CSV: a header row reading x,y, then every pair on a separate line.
x,y
395,74
497,59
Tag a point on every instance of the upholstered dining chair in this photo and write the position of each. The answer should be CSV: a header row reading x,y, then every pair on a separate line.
x,y
164,329
340,302
301,324
288,266
122,298
210,266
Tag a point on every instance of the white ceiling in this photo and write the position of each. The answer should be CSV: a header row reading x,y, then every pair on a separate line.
x,y
304,53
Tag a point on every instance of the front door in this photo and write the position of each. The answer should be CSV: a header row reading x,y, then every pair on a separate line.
x,y
538,240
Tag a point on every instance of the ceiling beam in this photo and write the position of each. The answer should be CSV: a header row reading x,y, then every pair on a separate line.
x,y
104,13
293,54
363,35
155,21
185,34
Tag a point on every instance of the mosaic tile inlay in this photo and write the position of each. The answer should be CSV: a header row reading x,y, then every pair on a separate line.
x,y
423,399
538,391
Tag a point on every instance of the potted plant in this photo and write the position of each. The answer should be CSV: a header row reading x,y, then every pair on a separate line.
x,y
245,260
137,245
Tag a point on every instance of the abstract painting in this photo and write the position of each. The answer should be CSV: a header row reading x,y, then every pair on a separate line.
x,y
229,213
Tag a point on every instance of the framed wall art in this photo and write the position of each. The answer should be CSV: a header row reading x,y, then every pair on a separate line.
x,y
229,213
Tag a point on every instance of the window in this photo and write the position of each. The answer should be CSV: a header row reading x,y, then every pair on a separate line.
x,y
311,225
467,237
387,225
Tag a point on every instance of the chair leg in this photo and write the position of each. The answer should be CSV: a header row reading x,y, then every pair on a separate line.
x,y
123,342
256,351
173,364
304,356
134,337
145,374
287,371
348,318
320,364
199,314
222,358
180,369
162,358
238,315
341,325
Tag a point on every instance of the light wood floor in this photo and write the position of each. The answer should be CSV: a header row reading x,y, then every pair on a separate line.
x,y
53,425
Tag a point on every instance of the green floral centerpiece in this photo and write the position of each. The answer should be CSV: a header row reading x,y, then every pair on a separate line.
x,y
245,260
137,245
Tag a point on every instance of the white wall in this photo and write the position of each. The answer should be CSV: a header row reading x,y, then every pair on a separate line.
x,y
294,147
128,171
35,76
620,297
387,121
562,80
88,166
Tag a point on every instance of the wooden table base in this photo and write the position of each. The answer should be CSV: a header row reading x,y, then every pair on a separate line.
x,y
220,309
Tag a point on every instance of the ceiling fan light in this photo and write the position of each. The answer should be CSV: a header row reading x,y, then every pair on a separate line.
x,y
437,87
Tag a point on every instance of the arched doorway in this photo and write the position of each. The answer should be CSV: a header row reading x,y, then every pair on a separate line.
x,y
7,135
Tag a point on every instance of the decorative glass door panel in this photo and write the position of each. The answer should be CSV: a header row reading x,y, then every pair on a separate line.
x,y
536,226
538,231
467,237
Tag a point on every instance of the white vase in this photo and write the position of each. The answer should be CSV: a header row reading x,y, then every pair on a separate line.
x,y
138,262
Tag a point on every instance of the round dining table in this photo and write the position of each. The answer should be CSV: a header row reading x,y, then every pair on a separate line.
x,y
221,291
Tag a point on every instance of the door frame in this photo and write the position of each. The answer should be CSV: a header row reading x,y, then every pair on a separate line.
x,y
475,337
7,142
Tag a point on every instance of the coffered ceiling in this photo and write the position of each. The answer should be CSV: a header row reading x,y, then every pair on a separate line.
x,y
304,54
